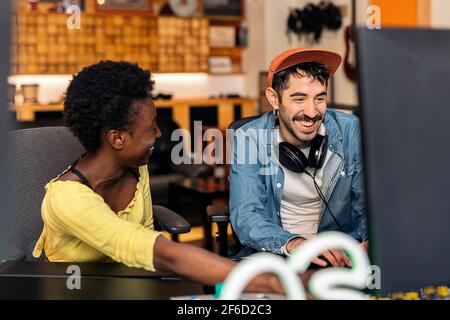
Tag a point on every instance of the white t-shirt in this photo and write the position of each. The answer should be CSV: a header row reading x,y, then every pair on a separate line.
x,y
300,203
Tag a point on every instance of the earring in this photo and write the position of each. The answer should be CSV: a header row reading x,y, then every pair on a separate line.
x,y
275,113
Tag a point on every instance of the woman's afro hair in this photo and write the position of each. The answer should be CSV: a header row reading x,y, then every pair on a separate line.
x,y
100,98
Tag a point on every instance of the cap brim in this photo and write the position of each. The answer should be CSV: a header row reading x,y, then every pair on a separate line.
x,y
331,59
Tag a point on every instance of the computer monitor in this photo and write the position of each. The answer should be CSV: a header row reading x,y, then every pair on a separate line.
x,y
5,249
404,92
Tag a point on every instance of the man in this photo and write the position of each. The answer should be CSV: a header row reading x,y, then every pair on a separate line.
x,y
279,210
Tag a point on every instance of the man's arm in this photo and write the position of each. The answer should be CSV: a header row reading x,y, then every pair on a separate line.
x,y
359,205
251,220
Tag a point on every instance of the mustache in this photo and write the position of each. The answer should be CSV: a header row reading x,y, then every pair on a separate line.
x,y
303,117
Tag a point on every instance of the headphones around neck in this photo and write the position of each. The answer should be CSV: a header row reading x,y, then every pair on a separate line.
x,y
293,159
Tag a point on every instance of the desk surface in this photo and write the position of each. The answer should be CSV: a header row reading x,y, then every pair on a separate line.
x,y
24,280
98,270
95,288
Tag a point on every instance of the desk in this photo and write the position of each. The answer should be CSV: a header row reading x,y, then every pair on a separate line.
x,y
98,270
26,280
51,288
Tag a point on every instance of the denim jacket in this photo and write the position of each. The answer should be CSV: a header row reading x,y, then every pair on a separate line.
x,y
256,188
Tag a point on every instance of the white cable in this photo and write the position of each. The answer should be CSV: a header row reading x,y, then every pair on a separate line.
x,y
330,283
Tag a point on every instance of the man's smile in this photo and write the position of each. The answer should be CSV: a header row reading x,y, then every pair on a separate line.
x,y
306,124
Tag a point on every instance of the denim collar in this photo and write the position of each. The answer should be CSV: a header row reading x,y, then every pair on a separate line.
x,y
334,134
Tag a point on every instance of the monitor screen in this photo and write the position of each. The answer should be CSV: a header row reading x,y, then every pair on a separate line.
x,y
404,92
4,72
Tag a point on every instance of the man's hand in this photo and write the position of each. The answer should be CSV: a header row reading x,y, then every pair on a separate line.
x,y
365,245
336,257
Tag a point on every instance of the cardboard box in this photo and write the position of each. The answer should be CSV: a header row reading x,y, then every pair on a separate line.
x,y
222,36
220,65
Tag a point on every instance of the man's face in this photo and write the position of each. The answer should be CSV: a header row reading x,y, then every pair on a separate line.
x,y
302,109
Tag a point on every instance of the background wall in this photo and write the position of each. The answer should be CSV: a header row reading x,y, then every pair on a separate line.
x,y
267,38
267,21
440,13
397,13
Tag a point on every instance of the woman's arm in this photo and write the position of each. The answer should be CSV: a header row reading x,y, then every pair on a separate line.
x,y
203,266
74,210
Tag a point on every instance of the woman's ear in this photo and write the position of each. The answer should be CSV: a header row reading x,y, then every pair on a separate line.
x,y
273,98
116,139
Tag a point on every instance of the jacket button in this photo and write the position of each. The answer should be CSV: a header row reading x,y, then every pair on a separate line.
x,y
278,185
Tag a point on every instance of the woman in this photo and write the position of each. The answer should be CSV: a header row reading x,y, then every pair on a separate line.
x,y
100,208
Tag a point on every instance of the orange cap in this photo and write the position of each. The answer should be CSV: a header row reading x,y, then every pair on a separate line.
x,y
298,55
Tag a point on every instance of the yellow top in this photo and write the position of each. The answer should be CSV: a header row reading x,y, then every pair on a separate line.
x,y
80,227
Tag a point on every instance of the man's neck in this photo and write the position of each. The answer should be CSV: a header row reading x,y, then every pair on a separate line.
x,y
288,137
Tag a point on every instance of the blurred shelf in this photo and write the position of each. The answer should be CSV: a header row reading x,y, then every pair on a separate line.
x,y
180,109
222,19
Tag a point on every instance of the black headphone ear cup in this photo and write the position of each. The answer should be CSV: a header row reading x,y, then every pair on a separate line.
x,y
292,158
318,151
323,153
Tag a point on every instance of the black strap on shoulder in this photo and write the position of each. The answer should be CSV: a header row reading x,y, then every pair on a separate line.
x,y
79,174
85,181
135,173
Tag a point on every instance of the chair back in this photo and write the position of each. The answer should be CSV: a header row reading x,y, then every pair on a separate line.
x,y
37,156
240,122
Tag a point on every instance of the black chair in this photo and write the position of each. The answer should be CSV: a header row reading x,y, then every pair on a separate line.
x,y
37,156
220,214
162,170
